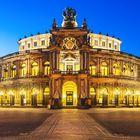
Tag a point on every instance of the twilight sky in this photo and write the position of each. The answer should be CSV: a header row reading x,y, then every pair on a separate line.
x,y
120,18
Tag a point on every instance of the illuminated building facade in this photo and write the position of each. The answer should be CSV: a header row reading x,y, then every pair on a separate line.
x,y
69,67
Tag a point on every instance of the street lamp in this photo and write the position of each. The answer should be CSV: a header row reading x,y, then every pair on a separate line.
x,y
137,93
35,93
128,93
117,93
1,94
11,97
23,99
93,95
104,96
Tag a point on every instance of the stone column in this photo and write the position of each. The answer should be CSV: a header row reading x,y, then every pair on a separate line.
x,y
110,67
9,70
98,67
40,67
17,68
81,61
121,67
28,67
51,61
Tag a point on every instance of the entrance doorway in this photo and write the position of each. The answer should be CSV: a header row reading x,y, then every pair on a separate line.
x,y
116,100
34,100
105,99
69,94
12,97
22,99
69,98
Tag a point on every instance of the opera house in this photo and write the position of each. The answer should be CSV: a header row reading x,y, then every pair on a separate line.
x,y
70,67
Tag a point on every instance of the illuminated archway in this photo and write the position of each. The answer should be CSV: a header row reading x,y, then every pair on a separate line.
x,y
22,94
69,94
34,69
103,96
104,69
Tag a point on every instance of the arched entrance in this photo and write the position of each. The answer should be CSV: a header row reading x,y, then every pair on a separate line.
x,y
104,96
35,92
22,97
69,94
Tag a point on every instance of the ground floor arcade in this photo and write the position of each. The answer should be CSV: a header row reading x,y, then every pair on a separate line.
x,y
40,94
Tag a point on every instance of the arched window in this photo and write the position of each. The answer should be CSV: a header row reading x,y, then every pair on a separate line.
x,y
132,71
116,69
92,69
13,70
103,96
5,72
125,70
34,69
47,91
46,68
104,69
23,70
92,91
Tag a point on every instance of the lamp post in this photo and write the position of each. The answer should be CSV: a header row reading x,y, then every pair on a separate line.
x,y
22,94
137,93
11,97
35,93
93,96
128,93
117,93
1,94
104,97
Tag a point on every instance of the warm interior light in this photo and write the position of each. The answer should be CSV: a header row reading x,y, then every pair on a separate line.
x,y
92,91
64,95
69,86
1,93
11,93
75,96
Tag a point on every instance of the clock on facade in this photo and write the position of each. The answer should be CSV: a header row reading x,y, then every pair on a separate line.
x,y
69,43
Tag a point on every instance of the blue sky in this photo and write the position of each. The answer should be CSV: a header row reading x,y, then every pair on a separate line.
x,y
120,18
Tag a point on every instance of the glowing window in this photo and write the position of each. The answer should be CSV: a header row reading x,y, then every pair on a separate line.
x,y
34,69
92,70
46,68
116,69
92,91
132,71
104,69
5,72
47,91
13,71
125,70
23,70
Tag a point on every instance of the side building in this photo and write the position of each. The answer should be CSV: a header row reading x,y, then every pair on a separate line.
x,y
69,67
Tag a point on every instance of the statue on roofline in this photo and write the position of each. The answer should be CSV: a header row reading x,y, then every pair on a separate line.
x,y
69,14
69,20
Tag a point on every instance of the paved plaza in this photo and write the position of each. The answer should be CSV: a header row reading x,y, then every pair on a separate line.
x,y
72,124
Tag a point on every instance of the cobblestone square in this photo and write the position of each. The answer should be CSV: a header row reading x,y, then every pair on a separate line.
x,y
70,124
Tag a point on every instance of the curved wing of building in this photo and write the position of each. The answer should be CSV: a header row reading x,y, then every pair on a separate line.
x,y
69,67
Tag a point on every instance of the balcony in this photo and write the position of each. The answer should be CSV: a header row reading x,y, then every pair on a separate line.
x,y
69,72
64,72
